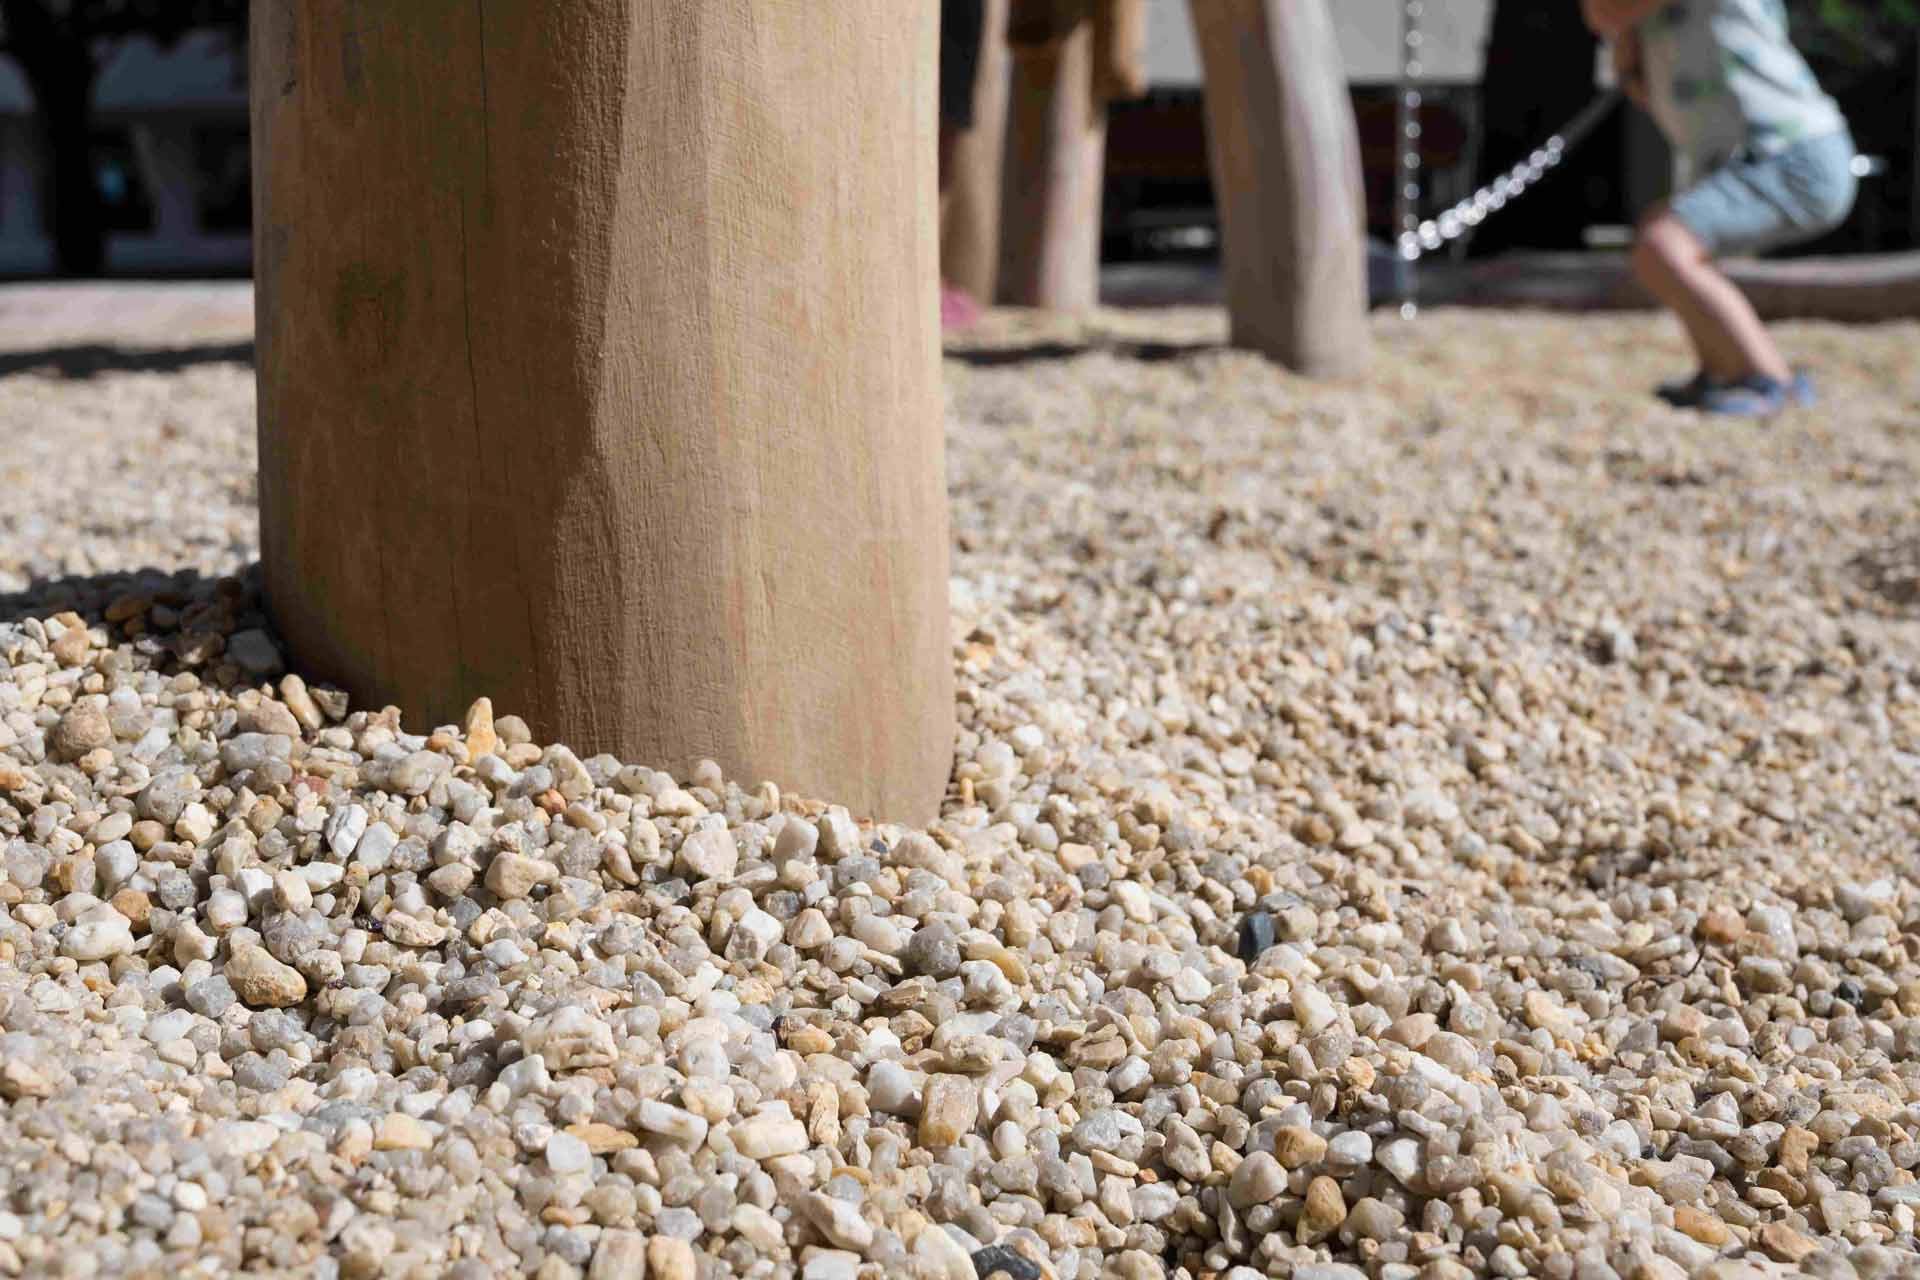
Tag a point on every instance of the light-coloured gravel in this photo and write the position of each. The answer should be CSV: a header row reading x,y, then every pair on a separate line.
x,y
1459,824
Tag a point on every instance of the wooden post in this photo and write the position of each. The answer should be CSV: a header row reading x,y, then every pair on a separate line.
x,y
1055,160
970,229
598,368
1286,178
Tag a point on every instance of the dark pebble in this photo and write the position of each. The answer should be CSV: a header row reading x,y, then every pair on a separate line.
x,y
1000,1260
1852,992
1256,935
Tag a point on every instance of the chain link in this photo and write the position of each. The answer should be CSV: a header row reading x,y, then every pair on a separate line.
x,y
1417,239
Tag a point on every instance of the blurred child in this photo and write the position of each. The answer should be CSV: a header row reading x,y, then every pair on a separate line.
x,y
1772,165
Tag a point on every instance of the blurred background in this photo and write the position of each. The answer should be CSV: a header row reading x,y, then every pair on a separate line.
x,y
123,130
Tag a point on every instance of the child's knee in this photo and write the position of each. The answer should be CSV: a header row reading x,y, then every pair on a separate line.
x,y
1649,259
1661,249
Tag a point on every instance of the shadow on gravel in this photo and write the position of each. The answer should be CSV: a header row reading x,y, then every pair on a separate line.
x,y
1891,571
1147,352
86,361
90,595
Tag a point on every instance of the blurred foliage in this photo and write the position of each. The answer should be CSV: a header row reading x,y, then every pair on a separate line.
x,y
1852,40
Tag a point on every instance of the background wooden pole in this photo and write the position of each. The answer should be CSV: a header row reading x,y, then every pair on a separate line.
x,y
970,228
1287,180
1055,160
598,361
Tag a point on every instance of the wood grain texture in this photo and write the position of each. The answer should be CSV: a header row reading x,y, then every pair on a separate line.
x,y
598,367
1055,160
970,222
1286,169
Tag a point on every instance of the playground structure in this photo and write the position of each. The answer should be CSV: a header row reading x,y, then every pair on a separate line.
x,y
1278,122
604,384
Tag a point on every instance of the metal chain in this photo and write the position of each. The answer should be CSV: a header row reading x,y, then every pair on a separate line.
x,y
1406,178
1418,239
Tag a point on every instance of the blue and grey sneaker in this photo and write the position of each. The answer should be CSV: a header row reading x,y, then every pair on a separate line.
x,y
1695,391
1756,397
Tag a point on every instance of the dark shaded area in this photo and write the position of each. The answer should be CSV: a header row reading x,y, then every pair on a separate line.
x,y
89,359
89,595
1147,352
1539,74
60,47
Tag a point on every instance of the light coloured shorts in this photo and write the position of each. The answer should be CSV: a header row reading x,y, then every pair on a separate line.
x,y
1755,202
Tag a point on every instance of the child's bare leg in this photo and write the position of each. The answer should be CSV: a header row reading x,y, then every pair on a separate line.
x,y
1676,268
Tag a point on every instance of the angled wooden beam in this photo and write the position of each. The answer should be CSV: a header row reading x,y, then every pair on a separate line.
x,y
1055,160
970,221
1286,176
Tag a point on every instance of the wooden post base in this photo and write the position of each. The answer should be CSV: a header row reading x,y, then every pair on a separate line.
x,y
598,368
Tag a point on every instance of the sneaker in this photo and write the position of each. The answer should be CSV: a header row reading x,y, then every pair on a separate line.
x,y
958,310
1686,394
1800,391
1755,397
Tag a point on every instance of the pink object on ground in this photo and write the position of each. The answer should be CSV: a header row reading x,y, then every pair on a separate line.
x,y
958,310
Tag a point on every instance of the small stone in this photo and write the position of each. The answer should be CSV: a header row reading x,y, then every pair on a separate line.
x,y
514,875
620,1254
950,1106
1681,1021
708,854
401,1132
71,649
1797,1146
1350,1150
211,997
415,774
768,1135
1704,1227
291,892
22,1079
1296,1147
344,829
294,693
1258,1179
669,1121
255,653
1783,1244
482,740
409,931
892,1089
82,729
566,1153
98,939
837,1220
1000,1260
602,1139
136,906
1324,1211
938,1256
262,981
670,1259
1373,1219
1256,935
1312,1009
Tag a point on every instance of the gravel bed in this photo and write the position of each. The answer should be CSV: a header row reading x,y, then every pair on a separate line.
x,y
1458,824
